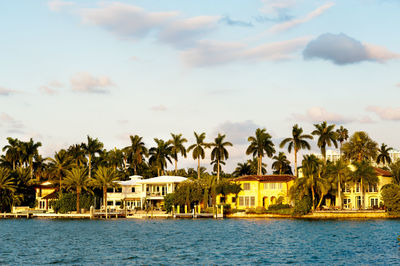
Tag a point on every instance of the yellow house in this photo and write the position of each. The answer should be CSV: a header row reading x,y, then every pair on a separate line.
x,y
45,193
259,191
351,193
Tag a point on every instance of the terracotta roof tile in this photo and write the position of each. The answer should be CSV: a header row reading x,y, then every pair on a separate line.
x,y
266,178
382,172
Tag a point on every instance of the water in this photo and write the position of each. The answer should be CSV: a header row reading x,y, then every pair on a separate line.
x,y
227,241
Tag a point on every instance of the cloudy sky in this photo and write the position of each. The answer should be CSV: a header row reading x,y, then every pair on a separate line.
x,y
113,69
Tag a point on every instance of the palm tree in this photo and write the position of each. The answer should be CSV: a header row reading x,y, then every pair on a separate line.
x,y
260,144
219,153
12,151
326,136
365,175
160,155
341,172
384,156
254,166
360,147
77,154
281,165
198,150
177,147
115,158
29,150
136,151
395,170
297,142
77,179
92,147
7,189
342,135
311,168
60,164
242,169
104,178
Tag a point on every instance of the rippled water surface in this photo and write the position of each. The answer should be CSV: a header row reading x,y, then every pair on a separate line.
x,y
199,242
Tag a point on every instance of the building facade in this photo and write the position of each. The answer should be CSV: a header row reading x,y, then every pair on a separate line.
x,y
45,193
259,191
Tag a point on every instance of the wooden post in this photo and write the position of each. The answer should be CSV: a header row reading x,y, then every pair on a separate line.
x,y
199,211
178,209
186,209
91,212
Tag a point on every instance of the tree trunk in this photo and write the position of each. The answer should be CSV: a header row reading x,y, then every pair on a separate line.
x,y
60,183
198,167
217,170
340,150
339,194
158,171
176,166
134,169
295,162
31,168
312,193
320,201
78,192
90,166
13,165
323,150
105,200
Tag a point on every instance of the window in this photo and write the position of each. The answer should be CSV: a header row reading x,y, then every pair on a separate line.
x,y
110,190
279,186
133,190
252,201
272,186
233,200
118,203
266,186
347,188
346,203
247,201
110,203
241,201
222,200
118,190
358,187
374,202
372,188
246,186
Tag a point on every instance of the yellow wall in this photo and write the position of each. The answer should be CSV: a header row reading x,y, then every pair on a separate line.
x,y
263,196
45,192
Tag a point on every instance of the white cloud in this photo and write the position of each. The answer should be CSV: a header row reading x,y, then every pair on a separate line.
x,y
386,113
85,82
6,92
51,88
12,125
158,108
57,5
274,7
215,53
319,114
294,22
237,132
342,50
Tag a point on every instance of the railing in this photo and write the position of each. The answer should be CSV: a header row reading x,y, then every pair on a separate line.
x,y
155,194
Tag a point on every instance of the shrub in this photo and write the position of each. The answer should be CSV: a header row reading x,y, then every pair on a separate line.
x,y
278,206
250,211
302,206
260,210
169,200
391,198
67,202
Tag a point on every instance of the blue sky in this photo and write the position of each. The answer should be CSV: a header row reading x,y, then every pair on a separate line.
x,y
113,69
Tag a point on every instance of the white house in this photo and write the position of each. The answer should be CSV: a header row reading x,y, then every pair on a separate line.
x,y
139,193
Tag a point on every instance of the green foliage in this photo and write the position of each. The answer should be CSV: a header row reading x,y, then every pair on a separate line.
x,y
278,206
169,201
391,198
395,170
360,147
302,206
67,202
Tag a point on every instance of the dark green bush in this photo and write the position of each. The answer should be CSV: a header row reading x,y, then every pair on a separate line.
x,y
302,206
67,202
278,206
391,198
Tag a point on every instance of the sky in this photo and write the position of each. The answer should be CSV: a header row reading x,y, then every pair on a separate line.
x,y
110,69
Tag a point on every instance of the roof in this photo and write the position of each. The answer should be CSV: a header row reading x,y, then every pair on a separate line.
x,y
46,184
163,179
266,178
382,172
133,180
53,195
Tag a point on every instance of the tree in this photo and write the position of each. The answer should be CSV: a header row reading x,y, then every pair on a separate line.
x,y
7,190
115,158
342,135
177,142
297,142
60,164
242,169
29,150
160,155
198,149
310,167
77,154
219,153
12,151
281,165
104,178
360,147
391,198
136,151
384,156
326,136
77,179
91,148
260,144
341,172
395,171
365,175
